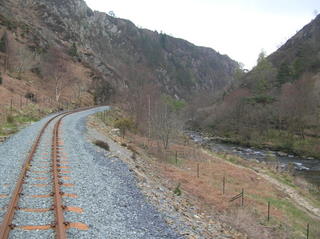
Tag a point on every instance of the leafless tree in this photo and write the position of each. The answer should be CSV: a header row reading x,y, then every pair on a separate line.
x,y
78,89
5,48
56,69
23,60
166,121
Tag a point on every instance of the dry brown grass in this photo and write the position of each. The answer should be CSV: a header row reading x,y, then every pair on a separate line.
x,y
207,189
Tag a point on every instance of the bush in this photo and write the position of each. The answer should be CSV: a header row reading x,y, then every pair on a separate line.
x,y
37,71
124,124
260,99
177,190
3,44
73,51
10,119
102,144
31,96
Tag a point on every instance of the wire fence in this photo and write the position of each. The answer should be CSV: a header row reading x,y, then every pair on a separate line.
x,y
16,104
177,157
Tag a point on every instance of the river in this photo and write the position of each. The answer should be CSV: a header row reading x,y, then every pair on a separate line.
x,y
308,168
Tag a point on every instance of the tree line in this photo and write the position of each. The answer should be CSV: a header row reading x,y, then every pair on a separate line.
x,y
268,106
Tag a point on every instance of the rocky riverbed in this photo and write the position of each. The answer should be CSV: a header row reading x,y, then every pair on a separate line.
x,y
307,167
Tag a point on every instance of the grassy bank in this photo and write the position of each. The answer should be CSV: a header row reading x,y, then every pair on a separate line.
x,y
18,118
277,141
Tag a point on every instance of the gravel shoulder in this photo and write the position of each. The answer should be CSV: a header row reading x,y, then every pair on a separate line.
x,y
106,188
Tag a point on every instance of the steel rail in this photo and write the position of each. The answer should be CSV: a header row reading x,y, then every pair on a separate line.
x,y
6,224
60,226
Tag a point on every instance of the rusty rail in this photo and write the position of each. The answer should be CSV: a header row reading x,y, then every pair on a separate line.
x,y
60,225
6,225
58,206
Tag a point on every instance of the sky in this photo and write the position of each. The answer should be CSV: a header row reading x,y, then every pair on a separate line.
x,y
239,28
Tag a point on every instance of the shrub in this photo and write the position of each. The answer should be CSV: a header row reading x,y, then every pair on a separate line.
x,y
102,145
10,119
260,99
124,124
73,51
3,44
31,96
37,71
177,190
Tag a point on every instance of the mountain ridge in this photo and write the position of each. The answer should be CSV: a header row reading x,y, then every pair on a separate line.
x,y
110,45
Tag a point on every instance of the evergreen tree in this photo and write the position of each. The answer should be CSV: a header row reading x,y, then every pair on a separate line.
x,y
284,74
73,50
3,43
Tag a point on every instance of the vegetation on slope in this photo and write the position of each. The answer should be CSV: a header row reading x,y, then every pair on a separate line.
x,y
276,104
197,174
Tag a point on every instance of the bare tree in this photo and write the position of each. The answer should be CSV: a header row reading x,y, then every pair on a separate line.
x,y
4,47
56,69
167,119
79,89
298,102
23,60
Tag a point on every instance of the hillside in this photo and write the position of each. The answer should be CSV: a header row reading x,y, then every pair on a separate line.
x,y
300,53
114,54
276,104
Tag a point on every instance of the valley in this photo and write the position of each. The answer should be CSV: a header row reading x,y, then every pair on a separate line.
x,y
148,135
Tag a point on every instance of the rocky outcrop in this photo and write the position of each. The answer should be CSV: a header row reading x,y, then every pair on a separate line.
x,y
122,52
301,53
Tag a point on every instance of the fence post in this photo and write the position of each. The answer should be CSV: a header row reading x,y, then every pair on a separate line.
x,y
223,184
198,170
268,211
176,157
11,104
242,197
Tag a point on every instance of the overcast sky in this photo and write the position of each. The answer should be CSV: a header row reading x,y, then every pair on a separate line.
x,y
238,28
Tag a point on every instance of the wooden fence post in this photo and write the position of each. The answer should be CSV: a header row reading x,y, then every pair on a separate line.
x,y
11,105
223,184
198,170
242,197
176,157
268,211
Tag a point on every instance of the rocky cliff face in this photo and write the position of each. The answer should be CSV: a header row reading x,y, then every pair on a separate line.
x,y
301,53
120,52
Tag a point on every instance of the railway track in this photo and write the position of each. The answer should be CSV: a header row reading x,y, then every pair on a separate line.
x,y
36,208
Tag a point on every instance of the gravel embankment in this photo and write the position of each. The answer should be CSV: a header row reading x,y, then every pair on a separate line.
x,y
113,205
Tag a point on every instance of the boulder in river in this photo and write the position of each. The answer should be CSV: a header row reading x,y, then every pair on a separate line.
x,y
282,154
